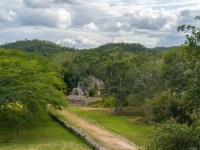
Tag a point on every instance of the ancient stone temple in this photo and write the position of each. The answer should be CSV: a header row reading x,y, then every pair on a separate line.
x,y
84,87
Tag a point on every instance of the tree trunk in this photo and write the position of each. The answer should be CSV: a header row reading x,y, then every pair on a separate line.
x,y
117,106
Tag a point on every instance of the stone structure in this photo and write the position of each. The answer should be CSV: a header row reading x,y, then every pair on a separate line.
x,y
83,101
86,85
78,91
100,86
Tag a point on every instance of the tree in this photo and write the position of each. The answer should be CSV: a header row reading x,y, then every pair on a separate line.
x,y
174,136
28,85
192,43
40,47
117,76
175,71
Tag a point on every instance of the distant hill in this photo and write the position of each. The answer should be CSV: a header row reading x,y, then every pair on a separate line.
x,y
134,47
127,47
46,48
41,47
162,49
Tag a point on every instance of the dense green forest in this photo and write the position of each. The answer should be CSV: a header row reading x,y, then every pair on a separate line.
x,y
164,83
40,47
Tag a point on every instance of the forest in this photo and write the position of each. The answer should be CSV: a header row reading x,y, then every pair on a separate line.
x,y
163,83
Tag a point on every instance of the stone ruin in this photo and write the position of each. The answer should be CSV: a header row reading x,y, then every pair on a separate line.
x,y
80,95
81,101
77,91
84,87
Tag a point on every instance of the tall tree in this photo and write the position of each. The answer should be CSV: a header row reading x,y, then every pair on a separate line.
x,y
192,43
117,76
175,71
28,85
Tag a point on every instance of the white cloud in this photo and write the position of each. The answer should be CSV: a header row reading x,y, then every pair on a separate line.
x,y
38,3
54,17
87,23
56,40
118,24
91,26
151,19
9,16
76,2
80,42
70,41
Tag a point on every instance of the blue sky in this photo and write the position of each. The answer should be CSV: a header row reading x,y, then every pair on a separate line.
x,y
90,23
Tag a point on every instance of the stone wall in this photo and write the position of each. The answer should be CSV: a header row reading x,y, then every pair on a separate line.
x,y
78,100
85,137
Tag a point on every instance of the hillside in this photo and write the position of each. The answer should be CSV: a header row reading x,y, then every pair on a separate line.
x,y
41,47
46,48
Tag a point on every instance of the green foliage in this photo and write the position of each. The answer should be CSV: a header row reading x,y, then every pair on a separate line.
x,y
39,136
174,136
109,102
175,71
126,47
29,83
165,106
92,92
117,76
36,46
193,52
161,49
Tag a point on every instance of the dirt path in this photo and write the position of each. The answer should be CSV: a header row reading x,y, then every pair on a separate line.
x,y
107,139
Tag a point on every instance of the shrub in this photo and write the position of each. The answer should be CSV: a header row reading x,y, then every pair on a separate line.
x,y
175,136
109,102
92,92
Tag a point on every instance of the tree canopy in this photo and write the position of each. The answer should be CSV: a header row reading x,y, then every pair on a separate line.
x,y
40,47
29,84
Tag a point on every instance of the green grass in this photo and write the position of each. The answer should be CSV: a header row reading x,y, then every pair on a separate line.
x,y
127,126
48,135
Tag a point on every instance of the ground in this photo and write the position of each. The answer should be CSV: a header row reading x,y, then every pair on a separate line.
x,y
106,138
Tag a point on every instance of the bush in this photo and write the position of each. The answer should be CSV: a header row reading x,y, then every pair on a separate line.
x,y
109,102
92,92
165,106
174,136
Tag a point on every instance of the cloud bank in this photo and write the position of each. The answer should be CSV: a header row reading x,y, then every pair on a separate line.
x,y
90,23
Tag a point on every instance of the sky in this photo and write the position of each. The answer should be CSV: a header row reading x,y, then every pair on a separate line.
x,y
91,23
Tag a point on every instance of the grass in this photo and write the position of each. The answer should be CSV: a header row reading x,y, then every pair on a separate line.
x,y
130,127
48,135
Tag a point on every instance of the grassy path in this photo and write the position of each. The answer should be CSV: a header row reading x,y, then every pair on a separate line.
x,y
132,128
106,138
48,135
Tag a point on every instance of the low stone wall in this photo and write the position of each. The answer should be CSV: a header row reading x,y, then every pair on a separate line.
x,y
86,138
78,100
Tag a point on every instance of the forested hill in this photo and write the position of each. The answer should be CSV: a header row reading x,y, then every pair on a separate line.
x,y
46,48
41,47
134,47
161,49
127,47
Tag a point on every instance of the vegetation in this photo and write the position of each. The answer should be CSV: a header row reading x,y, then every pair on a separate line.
x,y
29,85
44,135
175,136
183,133
129,127
162,83
36,46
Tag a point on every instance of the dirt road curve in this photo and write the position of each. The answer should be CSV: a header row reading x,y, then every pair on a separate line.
x,y
107,139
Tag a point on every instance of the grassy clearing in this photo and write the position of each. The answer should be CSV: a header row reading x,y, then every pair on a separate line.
x,y
48,135
129,127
